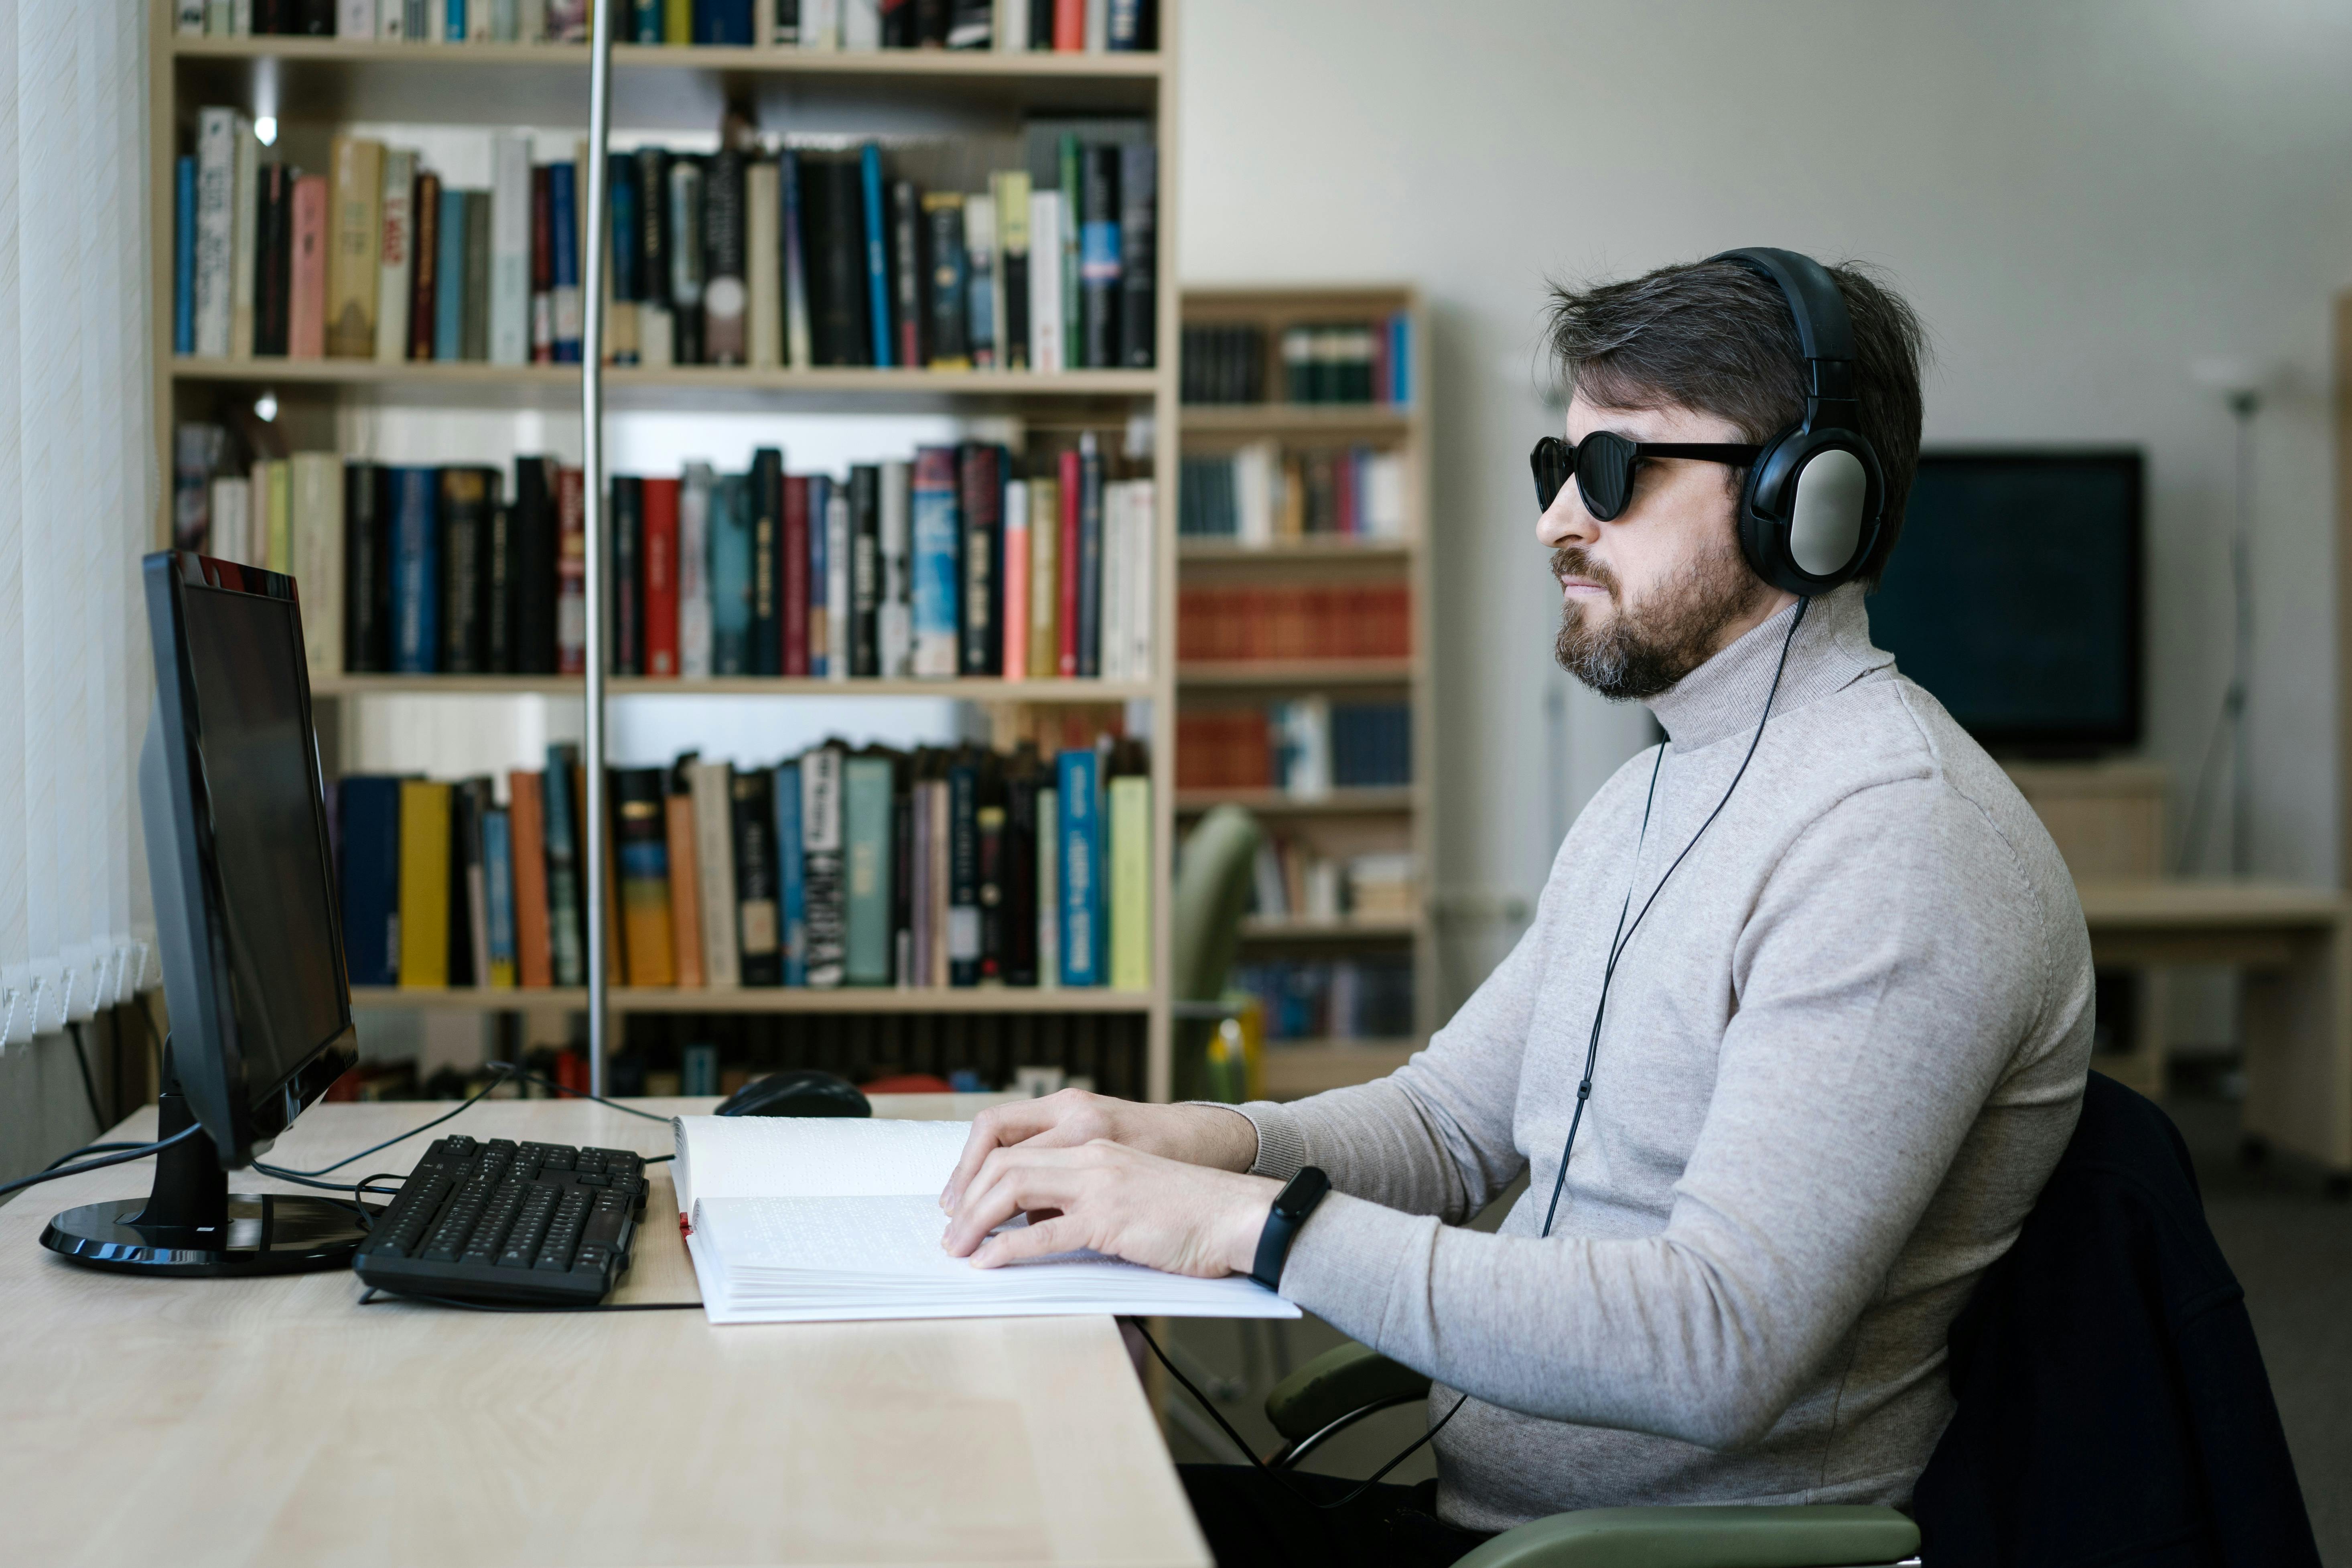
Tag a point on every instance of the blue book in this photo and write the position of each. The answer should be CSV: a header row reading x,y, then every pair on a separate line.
x,y
820,620
628,234
934,582
497,893
415,569
722,21
183,259
453,22
792,883
1399,359
567,938
1081,869
878,259
731,575
370,810
647,23
449,288
563,238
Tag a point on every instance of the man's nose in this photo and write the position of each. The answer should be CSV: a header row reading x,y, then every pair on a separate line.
x,y
1566,521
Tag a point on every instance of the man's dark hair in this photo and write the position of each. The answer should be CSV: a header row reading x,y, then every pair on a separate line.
x,y
1714,337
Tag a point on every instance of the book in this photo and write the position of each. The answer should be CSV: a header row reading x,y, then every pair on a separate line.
x,y
1128,812
368,809
1088,563
868,830
465,510
988,837
981,488
1078,798
642,841
273,277
306,303
276,488
1010,284
822,892
693,608
355,242
725,295
948,298
759,935
659,562
396,235
764,494
184,256
498,875
469,914
213,283
1049,881
894,615
415,569
626,612
1046,348
1013,652
535,530
936,531
686,260
838,1219
367,569
984,301
791,887
865,564
1044,516
317,483
1070,563
732,563
566,902
1017,874
542,265
1100,259
534,951
820,629
685,883
963,872
563,217
509,319
792,563
624,282
877,261
425,265
798,347
474,316
714,860
570,573
424,904
763,310
449,277
836,582
909,289
1139,299
834,236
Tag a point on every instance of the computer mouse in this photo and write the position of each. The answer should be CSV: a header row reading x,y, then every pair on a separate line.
x,y
799,1091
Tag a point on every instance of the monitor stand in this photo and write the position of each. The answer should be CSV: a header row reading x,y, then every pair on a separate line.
x,y
190,1224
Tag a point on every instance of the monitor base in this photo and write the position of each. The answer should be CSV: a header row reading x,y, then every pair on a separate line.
x,y
262,1234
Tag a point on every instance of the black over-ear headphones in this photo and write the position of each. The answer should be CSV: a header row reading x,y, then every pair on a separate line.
x,y
1815,499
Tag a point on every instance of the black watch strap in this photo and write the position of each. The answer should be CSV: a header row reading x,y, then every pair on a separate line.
x,y
1291,1207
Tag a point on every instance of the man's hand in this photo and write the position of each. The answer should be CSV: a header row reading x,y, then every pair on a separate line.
x,y
1168,1214
1196,1135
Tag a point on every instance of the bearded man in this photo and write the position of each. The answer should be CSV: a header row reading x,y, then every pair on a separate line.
x,y
1796,1034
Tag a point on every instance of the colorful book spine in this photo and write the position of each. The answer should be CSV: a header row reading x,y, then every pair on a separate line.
x,y
355,243
795,558
694,647
821,845
1080,803
498,875
425,901
877,260
836,583
797,343
369,811
564,218
792,883
866,810
685,883
1014,656
894,627
935,526
732,563
306,311
981,480
416,571
660,563
1049,883
395,262
571,573
764,493
510,248
526,830
758,933
642,839
450,268
963,873
567,940
714,858
1129,903
184,256
215,228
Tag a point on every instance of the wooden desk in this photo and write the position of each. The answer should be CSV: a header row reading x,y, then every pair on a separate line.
x,y
2294,947
272,1421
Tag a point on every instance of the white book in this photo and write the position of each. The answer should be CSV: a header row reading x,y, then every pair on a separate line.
x,y
1257,473
837,1219
318,548
482,19
1098,26
1147,574
712,785
1384,498
861,24
1013,27
231,538
395,257
1049,886
188,18
245,239
821,23
693,569
510,248
656,335
215,228
392,20
240,12
355,18
894,617
836,584
1111,657
763,316
1045,282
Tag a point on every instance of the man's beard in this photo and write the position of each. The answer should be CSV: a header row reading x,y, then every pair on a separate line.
x,y
1645,649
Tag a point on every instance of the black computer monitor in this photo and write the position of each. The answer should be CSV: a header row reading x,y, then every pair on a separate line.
x,y
2014,594
247,925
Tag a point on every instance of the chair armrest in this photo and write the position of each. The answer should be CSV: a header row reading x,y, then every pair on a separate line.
x,y
1820,1535
1336,1383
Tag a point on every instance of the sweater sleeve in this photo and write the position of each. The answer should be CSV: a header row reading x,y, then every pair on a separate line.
x,y
1894,961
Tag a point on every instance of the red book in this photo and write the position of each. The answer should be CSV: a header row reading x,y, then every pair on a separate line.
x,y
306,306
795,616
571,574
1065,559
542,267
1069,25
661,576
424,261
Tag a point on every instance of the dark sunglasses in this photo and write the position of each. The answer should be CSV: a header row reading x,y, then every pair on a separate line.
x,y
1603,467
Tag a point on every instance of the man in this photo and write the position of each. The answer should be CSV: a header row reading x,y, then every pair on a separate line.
x,y
1848,1013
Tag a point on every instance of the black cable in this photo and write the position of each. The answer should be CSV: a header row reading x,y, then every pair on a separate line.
x,y
544,1082
1617,943
300,1180
88,1084
89,1149
1251,1455
137,1152
500,1070
369,1298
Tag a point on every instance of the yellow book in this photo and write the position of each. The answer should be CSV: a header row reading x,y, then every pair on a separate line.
x,y
1131,882
1045,578
271,526
317,532
354,244
678,21
423,885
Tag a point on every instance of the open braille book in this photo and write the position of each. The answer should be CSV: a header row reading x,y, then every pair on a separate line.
x,y
817,1219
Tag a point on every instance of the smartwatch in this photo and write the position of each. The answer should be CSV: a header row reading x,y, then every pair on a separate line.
x,y
1291,1207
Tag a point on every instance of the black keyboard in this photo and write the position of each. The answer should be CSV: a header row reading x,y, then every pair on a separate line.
x,y
530,1224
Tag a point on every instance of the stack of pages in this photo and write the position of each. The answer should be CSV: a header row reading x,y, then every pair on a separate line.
x,y
792,1219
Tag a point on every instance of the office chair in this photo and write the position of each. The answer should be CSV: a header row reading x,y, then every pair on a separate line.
x,y
1212,890
1342,1386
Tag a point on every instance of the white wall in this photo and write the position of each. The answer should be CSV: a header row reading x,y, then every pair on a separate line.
x,y
2081,199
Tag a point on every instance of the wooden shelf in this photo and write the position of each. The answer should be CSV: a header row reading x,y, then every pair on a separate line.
x,y
1276,803
763,999
696,386
963,689
1296,672
914,64
1347,928
1296,1069
1318,549
1296,419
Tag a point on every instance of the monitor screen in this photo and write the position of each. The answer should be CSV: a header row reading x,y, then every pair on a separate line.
x,y
268,830
2013,595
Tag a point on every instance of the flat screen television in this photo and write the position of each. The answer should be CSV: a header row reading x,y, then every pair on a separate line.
x,y
2013,595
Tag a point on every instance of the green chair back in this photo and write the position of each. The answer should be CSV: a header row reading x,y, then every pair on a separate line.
x,y
1213,884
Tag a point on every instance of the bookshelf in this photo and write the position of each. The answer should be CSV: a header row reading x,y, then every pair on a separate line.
x,y
314,87
1340,821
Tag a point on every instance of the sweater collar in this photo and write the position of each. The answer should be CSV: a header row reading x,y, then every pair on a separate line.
x,y
1726,695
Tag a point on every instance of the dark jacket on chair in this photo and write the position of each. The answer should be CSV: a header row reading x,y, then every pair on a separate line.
x,y
2113,1406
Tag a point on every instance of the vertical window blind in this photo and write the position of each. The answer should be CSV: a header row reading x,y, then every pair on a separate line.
x,y
79,493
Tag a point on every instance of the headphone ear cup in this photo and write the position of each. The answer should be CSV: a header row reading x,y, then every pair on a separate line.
x,y
1809,516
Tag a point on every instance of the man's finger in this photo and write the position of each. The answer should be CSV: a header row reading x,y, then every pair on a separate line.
x,y
1035,1181
1041,1240
995,1128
